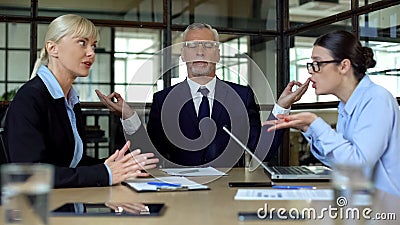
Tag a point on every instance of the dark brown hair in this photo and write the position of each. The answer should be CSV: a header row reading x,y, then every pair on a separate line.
x,y
344,45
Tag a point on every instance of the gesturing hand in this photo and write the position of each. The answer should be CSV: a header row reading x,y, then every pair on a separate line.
x,y
299,121
127,166
120,107
288,97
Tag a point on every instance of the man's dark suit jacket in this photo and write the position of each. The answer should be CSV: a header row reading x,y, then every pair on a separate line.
x,y
38,130
173,126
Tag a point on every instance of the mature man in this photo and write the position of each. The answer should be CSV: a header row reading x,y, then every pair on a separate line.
x,y
186,120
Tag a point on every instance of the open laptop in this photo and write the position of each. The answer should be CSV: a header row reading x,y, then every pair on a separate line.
x,y
288,173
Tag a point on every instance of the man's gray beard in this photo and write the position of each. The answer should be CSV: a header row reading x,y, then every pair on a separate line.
x,y
200,71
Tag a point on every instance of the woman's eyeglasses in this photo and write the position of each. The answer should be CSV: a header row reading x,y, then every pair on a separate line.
x,y
316,65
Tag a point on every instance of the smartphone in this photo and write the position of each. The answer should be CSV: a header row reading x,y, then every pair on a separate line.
x,y
250,184
244,216
109,209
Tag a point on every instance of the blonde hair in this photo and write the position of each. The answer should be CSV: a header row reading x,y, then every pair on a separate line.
x,y
64,25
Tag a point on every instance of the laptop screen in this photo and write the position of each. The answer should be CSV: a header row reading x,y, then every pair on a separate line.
x,y
297,173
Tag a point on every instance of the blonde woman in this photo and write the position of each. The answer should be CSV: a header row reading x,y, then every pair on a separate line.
x,y
44,123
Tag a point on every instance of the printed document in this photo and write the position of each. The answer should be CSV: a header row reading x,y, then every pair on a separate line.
x,y
194,172
166,183
284,194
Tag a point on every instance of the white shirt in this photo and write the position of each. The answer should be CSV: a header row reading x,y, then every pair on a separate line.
x,y
197,96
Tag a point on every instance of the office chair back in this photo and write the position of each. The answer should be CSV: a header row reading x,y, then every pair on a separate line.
x,y
3,150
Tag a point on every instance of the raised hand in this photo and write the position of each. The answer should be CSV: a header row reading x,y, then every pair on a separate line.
x,y
119,107
288,97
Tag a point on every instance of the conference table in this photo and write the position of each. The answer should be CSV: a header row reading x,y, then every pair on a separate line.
x,y
213,206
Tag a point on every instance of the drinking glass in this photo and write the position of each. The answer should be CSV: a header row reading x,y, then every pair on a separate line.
x,y
25,193
352,185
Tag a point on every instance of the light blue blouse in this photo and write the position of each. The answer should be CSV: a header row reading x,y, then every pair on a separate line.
x,y
367,134
56,92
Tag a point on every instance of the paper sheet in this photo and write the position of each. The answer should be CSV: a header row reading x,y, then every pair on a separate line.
x,y
194,172
142,184
282,194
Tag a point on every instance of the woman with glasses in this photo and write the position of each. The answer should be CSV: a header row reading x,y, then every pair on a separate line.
x,y
368,127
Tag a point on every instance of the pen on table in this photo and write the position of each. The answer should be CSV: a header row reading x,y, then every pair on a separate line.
x,y
164,184
188,171
292,187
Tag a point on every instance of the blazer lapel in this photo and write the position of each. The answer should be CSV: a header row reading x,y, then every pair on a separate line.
x,y
188,109
221,92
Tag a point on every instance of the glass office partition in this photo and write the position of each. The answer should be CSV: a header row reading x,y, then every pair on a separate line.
x,y
125,10
137,66
2,35
41,32
18,35
305,11
379,30
18,71
104,44
2,54
366,2
18,42
2,73
263,77
15,7
14,52
2,65
251,14
234,63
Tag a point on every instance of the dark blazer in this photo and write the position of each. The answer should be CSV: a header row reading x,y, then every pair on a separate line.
x,y
38,130
174,131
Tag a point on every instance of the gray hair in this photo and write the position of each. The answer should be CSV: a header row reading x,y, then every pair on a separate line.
x,y
62,26
196,26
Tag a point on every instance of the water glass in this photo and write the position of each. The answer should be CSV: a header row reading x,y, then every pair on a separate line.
x,y
25,193
352,185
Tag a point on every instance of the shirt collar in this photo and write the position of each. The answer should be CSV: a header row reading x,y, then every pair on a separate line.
x,y
194,87
356,96
54,87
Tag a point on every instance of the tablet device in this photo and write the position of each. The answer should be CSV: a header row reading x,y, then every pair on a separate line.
x,y
109,209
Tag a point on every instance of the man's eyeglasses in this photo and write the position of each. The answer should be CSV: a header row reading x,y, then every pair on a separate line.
x,y
205,44
316,65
